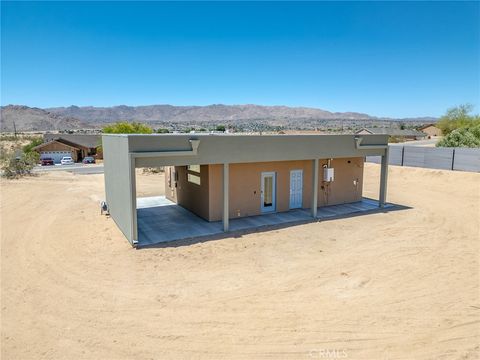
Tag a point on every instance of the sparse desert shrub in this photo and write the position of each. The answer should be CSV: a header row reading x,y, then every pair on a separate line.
x,y
396,139
153,170
16,164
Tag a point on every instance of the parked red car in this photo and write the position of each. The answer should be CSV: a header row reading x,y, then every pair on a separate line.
x,y
47,161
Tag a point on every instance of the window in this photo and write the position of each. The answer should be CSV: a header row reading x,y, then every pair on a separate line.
x,y
193,174
194,179
194,168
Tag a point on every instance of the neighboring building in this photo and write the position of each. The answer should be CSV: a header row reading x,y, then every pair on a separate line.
x,y
77,146
431,130
407,134
222,177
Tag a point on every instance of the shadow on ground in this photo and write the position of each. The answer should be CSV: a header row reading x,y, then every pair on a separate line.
x,y
163,224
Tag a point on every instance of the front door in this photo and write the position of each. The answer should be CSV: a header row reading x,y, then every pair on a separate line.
x,y
268,194
296,189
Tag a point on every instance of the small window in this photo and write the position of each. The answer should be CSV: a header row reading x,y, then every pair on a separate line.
x,y
194,179
194,168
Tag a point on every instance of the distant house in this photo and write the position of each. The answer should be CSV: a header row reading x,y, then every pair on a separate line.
x,y
407,134
431,130
78,146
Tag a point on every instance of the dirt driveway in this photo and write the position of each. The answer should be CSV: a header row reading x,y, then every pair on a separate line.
x,y
398,285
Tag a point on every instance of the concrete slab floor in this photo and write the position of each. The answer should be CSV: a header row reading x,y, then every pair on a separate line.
x,y
161,220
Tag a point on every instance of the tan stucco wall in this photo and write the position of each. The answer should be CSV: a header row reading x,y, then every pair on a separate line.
x,y
342,189
432,131
245,187
191,196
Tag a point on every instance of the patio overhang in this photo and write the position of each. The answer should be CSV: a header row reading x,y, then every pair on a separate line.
x,y
124,153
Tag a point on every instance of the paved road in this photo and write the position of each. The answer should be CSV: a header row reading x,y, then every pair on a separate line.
x,y
82,169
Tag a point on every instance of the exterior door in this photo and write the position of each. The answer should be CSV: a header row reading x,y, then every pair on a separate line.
x,y
268,193
296,189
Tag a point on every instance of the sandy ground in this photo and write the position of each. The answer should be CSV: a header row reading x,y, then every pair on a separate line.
x,y
397,285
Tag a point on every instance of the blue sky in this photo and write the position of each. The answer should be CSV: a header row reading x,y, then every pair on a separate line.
x,y
394,59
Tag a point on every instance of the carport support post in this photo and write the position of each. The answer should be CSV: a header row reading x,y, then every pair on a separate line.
x,y
314,187
133,201
383,179
225,198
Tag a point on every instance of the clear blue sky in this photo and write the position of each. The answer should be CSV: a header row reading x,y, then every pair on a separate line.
x,y
393,59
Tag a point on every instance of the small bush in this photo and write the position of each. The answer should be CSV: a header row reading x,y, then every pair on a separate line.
x,y
462,137
396,139
16,165
153,170
33,142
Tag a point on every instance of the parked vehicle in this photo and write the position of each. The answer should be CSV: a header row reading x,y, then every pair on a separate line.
x,y
88,160
67,160
47,161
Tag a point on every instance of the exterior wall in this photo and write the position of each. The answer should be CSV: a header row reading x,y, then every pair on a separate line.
x,y
55,146
245,187
206,200
432,131
120,189
189,195
342,190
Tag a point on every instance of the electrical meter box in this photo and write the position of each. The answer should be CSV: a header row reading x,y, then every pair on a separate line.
x,y
328,174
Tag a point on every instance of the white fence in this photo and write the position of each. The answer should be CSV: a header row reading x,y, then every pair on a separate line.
x,y
463,159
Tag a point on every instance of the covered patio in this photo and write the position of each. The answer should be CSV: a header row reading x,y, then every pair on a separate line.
x,y
161,220
149,221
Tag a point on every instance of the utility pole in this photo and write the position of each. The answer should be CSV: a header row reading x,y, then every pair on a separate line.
x,y
14,129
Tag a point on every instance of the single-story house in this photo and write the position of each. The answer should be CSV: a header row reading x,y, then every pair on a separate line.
x,y
77,146
222,178
407,134
431,130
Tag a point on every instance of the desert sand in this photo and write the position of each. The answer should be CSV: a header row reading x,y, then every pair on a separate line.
x,y
395,285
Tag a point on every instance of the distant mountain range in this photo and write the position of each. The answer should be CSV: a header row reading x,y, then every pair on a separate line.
x,y
74,117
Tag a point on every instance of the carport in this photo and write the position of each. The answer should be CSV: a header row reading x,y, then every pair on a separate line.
x,y
159,222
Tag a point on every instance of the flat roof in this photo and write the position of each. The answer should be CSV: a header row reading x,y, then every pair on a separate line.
x,y
152,150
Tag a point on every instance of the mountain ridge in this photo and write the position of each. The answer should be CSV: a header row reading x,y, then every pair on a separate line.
x,y
78,117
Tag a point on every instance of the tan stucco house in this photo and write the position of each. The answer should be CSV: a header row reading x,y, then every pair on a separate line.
x,y
224,179
431,130
263,187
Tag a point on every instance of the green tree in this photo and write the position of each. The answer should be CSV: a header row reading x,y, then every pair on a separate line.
x,y
125,127
462,137
162,131
458,117
34,142
220,128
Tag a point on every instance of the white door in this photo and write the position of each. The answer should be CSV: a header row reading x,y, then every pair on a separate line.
x,y
268,194
55,155
296,189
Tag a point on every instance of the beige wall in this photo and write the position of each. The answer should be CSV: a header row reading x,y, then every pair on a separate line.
x,y
189,195
342,190
245,187
432,131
